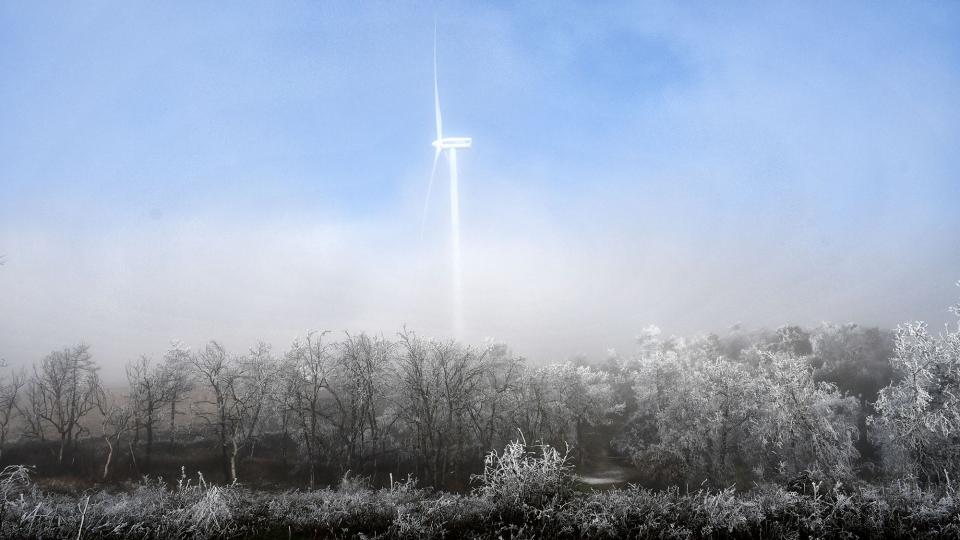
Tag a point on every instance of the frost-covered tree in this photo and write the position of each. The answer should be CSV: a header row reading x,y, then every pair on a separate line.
x,y
667,434
707,418
793,340
655,371
701,416
574,398
804,425
855,358
917,423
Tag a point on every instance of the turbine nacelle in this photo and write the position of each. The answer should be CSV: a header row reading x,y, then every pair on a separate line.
x,y
452,142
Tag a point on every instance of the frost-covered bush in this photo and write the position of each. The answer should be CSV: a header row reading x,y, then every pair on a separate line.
x,y
524,476
352,483
14,482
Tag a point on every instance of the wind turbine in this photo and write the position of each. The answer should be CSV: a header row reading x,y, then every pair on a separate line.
x,y
450,145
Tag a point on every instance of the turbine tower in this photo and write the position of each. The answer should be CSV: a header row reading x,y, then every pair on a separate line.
x,y
450,145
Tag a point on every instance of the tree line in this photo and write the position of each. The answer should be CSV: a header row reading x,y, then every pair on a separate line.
x,y
358,403
838,402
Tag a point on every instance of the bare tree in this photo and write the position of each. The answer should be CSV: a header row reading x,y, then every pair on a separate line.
x,y
359,390
238,389
116,417
29,409
282,399
308,365
176,364
213,367
492,414
63,391
150,391
10,390
251,381
439,383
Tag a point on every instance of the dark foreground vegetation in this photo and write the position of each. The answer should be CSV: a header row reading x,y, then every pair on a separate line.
x,y
830,431
521,494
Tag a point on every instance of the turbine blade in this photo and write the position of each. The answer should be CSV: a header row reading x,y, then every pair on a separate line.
x,y
436,87
426,202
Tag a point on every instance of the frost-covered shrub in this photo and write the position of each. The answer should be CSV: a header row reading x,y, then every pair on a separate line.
x,y
352,483
523,476
14,482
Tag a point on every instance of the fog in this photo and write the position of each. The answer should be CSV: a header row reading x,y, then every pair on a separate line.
x,y
694,171
550,290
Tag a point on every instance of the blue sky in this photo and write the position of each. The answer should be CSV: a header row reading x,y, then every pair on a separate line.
x,y
192,170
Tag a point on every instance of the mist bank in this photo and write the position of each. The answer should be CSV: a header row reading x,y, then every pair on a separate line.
x,y
550,292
